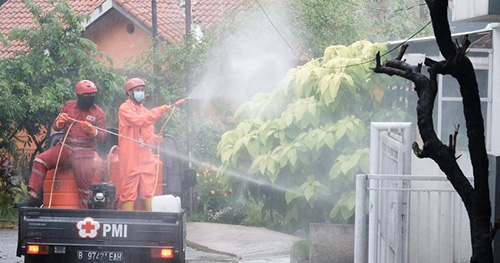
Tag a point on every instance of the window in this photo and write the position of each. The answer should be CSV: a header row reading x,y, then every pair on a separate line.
x,y
450,109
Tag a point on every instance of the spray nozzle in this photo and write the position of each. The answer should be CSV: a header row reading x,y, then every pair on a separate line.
x,y
179,102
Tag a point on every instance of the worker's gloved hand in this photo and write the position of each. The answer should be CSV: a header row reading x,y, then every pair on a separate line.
x,y
165,108
88,129
62,119
158,139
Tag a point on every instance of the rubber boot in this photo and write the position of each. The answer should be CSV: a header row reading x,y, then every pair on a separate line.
x,y
148,205
128,206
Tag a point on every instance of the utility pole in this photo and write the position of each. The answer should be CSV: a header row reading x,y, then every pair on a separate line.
x,y
188,16
156,67
155,25
189,111
155,38
187,7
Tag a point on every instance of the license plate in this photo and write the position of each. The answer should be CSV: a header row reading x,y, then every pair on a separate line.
x,y
95,256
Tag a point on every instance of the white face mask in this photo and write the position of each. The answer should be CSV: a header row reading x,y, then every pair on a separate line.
x,y
139,96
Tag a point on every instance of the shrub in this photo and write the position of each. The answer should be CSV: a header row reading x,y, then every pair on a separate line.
x,y
210,195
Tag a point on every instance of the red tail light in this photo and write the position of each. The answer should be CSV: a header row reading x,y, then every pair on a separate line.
x,y
33,249
167,253
37,250
162,253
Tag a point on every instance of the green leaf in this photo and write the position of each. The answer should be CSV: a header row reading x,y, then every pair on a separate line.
x,y
335,171
237,145
324,83
310,139
312,108
346,213
334,86
271,165
290,196
335,210
293,213
348,79
300,109
308,192
351,201
340,131
273,177
350,162
288,120
330,140
303,75
253,148
225,155
262,166
292,156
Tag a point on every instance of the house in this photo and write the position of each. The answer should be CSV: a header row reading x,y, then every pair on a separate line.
x,y
123,28
419,217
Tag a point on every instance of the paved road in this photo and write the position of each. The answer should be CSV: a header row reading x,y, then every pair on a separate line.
x,y
248,244
8,243
206,243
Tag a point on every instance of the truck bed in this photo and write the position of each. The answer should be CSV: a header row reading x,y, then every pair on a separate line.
x,y
98,236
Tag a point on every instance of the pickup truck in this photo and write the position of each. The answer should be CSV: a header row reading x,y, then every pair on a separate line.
x,y
105,234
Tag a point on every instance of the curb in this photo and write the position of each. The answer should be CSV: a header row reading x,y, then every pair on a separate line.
x,y
207,249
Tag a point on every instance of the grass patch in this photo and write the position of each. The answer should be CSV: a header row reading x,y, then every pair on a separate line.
x,y
301,250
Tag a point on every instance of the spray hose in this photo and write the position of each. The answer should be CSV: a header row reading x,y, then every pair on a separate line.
x,y
158,149
177,103
57,162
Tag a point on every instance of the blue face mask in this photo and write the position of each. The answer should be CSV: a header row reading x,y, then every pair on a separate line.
x,y
139,96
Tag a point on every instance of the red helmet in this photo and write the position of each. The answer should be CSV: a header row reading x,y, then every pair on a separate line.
x,y
132,83
85,86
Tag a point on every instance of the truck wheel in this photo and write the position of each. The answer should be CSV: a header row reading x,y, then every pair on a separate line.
x,y
182,257
36,259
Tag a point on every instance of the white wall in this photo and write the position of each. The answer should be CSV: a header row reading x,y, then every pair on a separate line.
x,y
495,116
476,10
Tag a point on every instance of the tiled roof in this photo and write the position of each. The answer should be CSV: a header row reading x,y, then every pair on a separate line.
x,y
170,19
171,22
14,13
208,12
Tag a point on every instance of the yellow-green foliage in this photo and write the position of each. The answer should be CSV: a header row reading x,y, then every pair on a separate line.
x,y
308,136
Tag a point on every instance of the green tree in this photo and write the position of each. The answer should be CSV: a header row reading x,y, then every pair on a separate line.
x,y
317,24
301,145
176,64
36,83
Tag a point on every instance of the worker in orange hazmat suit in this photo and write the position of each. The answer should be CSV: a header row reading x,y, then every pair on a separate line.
x,y
137,162
79,147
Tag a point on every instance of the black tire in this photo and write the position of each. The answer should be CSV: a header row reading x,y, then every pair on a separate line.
x,y
36,259
182,257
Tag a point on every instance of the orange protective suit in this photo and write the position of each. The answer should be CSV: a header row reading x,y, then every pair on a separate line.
x,y
79,151
137,163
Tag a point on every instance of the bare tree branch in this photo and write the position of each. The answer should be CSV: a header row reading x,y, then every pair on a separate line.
x,y
476,199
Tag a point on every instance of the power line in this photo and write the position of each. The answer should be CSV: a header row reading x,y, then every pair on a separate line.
x,y
391,50
352,65
275,28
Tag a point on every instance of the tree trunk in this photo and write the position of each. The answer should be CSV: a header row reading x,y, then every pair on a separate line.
x,y
475,198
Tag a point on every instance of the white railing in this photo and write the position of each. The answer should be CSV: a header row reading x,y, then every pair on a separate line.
x,y
434,224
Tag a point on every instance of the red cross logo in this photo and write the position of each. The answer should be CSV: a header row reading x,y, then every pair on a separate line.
x,y
88,227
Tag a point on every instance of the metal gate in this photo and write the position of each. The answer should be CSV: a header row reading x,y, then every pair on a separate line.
x,y
412,218
390,150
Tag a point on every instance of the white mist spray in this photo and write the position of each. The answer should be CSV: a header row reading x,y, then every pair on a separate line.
x,y
252,59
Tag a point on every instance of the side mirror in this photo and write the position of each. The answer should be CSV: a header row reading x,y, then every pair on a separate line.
x,y
189,179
